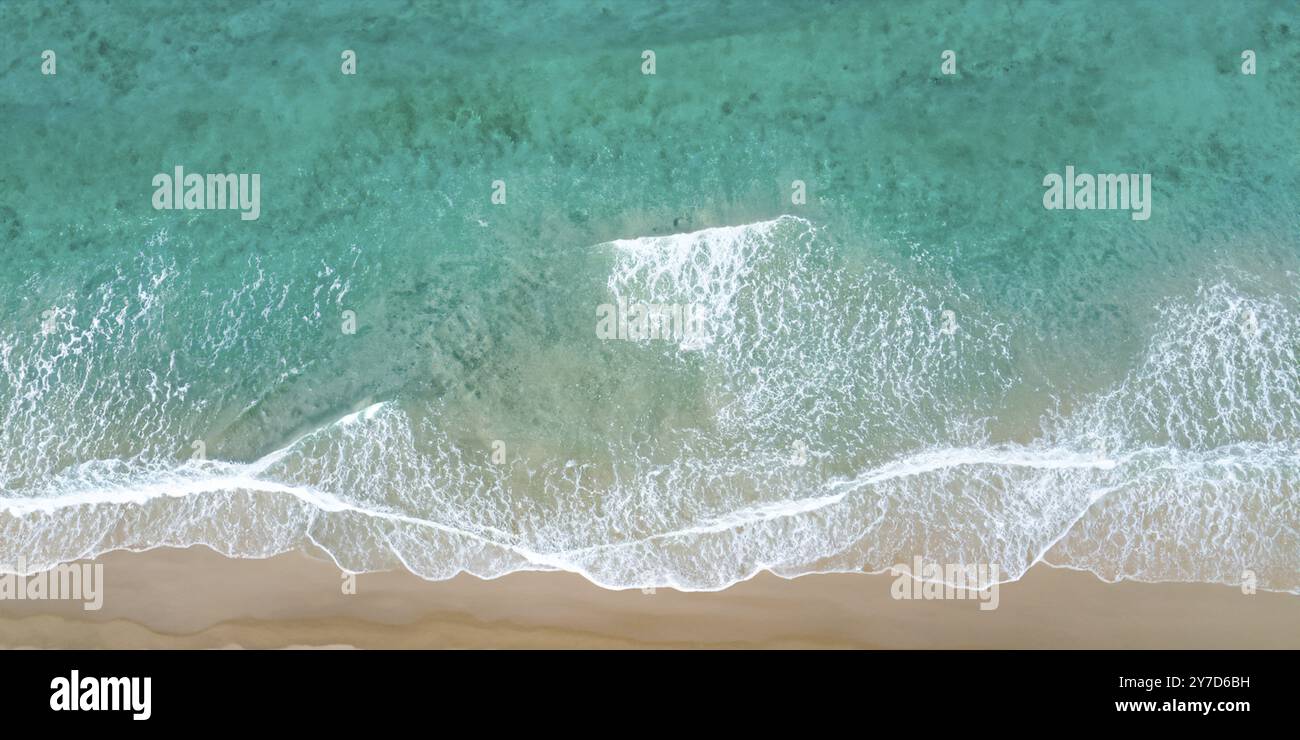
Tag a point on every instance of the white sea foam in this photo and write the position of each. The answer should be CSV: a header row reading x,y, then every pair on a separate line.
x,y
1186,469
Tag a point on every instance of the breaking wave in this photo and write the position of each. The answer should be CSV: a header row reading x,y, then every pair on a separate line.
x,y
838,421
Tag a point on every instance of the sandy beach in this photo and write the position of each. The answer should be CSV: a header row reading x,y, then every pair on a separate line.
x,y
196,598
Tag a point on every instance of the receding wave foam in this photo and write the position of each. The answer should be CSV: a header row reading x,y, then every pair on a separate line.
x,y
840,429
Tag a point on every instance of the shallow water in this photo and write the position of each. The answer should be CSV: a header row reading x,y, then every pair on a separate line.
x,y
1108,394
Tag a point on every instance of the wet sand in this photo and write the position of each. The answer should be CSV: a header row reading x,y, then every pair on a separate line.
x,y
170,598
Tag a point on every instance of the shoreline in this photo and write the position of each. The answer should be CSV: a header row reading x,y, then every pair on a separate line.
x,y
197,598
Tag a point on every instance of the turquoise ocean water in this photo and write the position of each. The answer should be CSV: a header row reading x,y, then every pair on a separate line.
x,y
919,360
